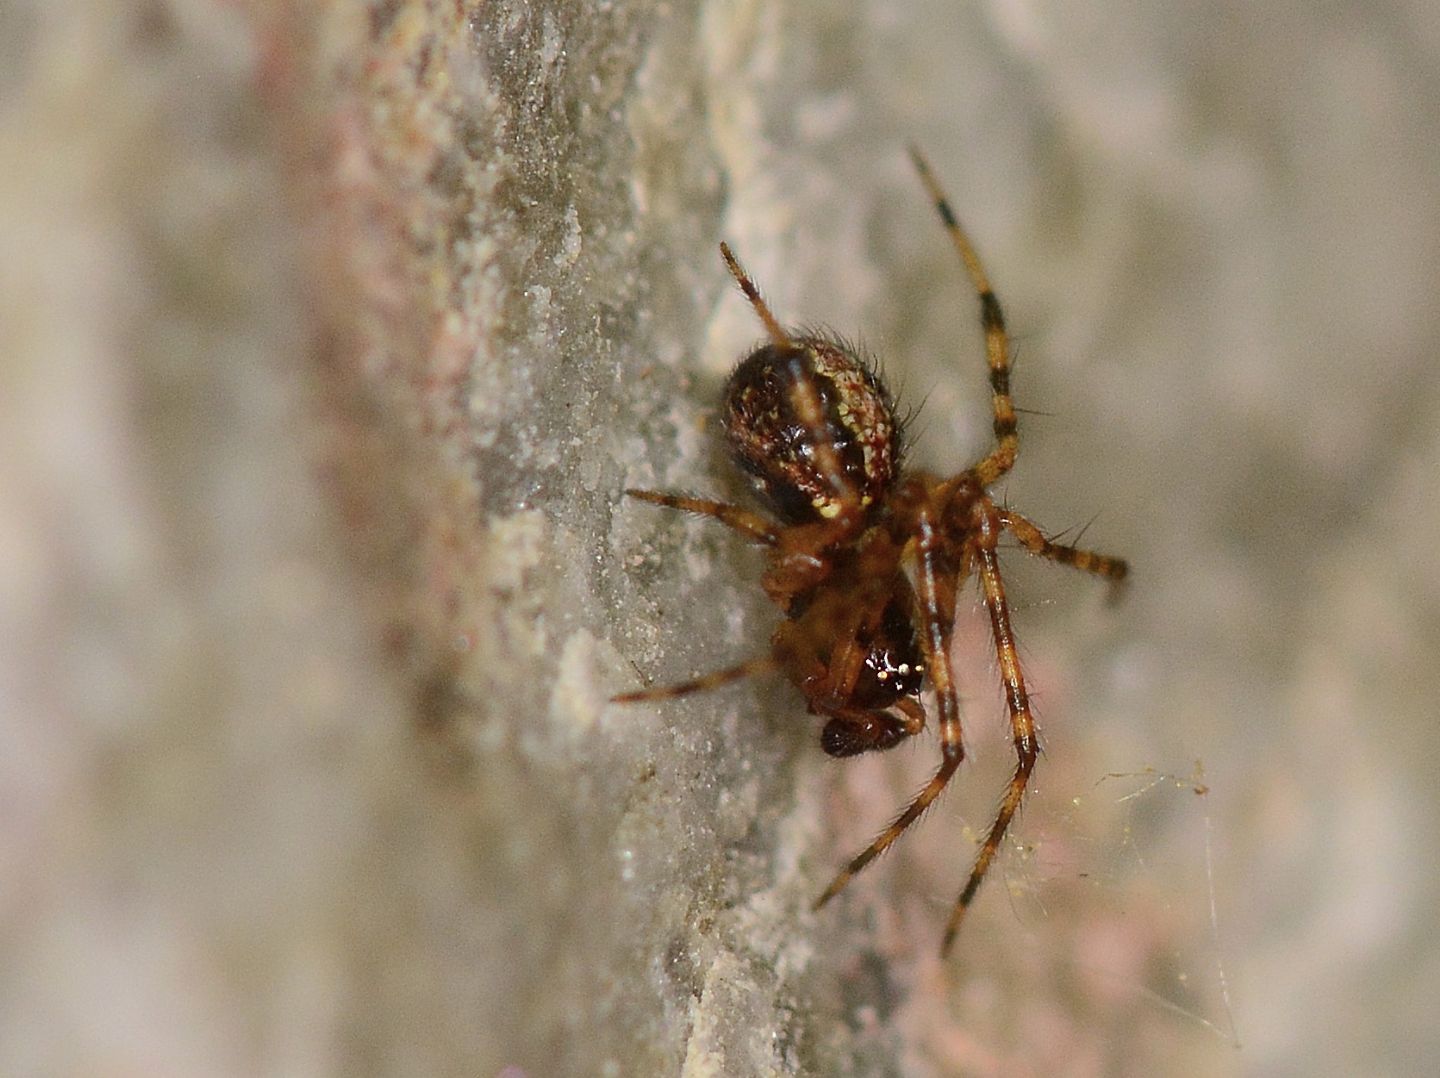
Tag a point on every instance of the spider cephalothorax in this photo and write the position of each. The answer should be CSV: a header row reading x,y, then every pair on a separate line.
x,y
865,559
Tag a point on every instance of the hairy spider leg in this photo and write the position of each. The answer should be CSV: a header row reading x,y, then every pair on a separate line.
x,y
1022,723
1115,570
922,553
711,680
997,351
752,293
805,399
751,525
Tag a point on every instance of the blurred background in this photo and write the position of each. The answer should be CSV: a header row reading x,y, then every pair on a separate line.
x,y
330,336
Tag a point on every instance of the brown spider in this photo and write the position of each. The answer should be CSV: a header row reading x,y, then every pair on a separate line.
x,y
865,559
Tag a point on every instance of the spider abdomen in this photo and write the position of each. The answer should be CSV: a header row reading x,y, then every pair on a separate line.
x,y
771,440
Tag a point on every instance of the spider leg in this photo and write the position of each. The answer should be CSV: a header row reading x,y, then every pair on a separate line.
x,y
751,525
805,400
935,641
699,684
752,294
997,349
1022,723
1114,570
810,410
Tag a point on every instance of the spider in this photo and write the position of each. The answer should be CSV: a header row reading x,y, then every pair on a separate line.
x,y
865,558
